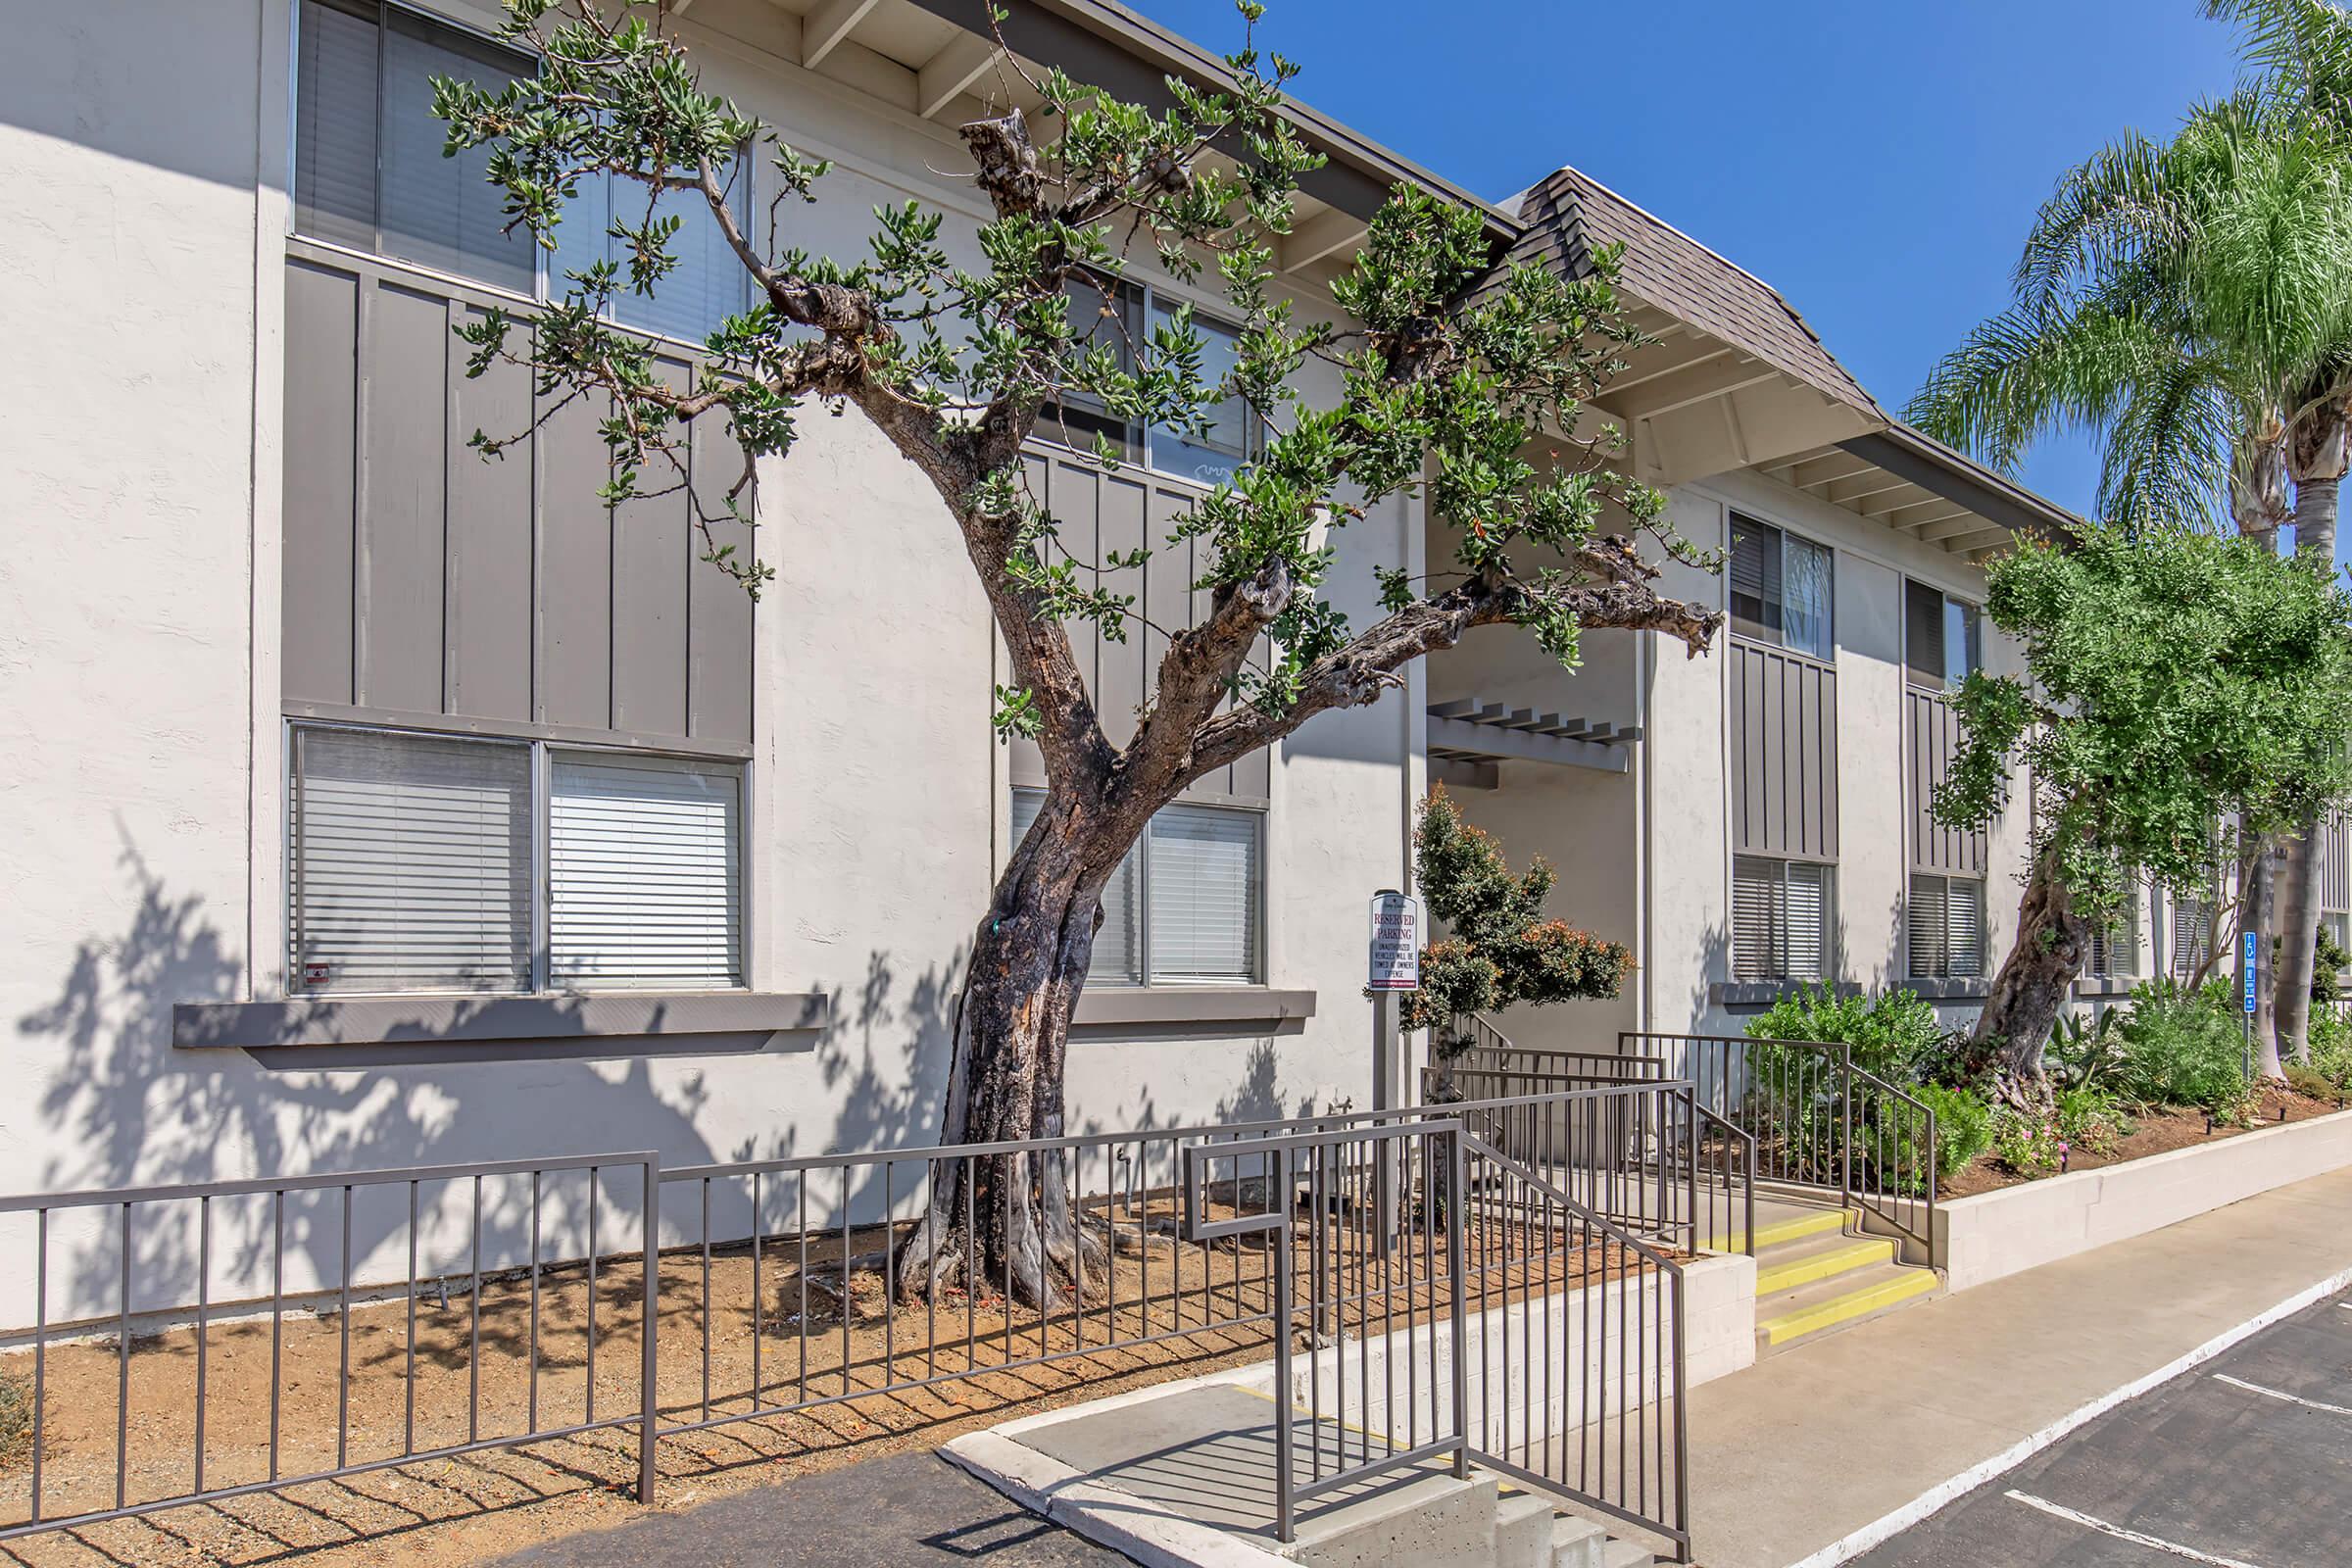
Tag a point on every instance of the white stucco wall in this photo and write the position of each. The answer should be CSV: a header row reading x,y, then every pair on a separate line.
x,y
142,146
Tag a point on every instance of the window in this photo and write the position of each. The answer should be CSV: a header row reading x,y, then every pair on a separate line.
x,y
2114,949
1185,906
1947,927
409,867
1781,912
2191,936
1943,639
1119,316
370,174
1781,589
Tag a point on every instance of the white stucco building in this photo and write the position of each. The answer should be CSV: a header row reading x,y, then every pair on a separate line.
x,y
370,804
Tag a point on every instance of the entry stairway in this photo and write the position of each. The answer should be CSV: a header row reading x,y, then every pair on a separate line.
x,y
1484,1522
1818,1270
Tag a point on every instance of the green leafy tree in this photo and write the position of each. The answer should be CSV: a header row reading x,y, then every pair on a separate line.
x,y
1448,375
1499,951
2190,302
2169,678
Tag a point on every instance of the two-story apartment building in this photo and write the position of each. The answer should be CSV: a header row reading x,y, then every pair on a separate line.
x,y
371,803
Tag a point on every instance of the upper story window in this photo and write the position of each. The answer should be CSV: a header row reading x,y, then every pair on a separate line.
x,y
1944,638
1187,904
432,862
1781,588
370,174
1119,316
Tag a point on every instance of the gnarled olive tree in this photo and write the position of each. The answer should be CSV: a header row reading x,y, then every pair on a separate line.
x,y
1449,374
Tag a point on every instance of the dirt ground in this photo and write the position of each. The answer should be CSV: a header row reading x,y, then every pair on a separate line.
x,y
857,1385
2154,1132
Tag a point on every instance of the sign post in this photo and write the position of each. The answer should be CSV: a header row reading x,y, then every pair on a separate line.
x,y
2251,956
1399,923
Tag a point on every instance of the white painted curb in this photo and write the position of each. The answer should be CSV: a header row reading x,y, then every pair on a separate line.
x,y
1975,1476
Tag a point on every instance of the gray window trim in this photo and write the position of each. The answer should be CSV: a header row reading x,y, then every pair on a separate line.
x,y
1734,518
312,1023
538,871
1910,674
1139,444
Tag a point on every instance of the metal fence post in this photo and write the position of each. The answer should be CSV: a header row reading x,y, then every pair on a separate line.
x,y
652,1282
1285,1508
1845,1116
1457,1213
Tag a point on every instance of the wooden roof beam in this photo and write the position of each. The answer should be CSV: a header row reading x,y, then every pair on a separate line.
x,y
828,25
1687,388
953,71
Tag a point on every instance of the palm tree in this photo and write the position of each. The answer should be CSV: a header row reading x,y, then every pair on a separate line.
x,y
2190,302
2303,52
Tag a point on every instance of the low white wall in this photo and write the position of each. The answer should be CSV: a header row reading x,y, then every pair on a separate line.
x,y
1997,1234
1719,1338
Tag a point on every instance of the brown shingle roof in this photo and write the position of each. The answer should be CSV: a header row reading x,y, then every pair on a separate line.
x,y
1568,215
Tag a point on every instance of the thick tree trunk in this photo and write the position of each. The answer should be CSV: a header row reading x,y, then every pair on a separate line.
x,y
2318,459
1008,1221
2023,1007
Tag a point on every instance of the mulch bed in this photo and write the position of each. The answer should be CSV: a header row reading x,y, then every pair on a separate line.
x,y
2156,1131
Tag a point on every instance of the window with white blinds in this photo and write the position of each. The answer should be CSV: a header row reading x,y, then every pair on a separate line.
x,y
368,174
2114,949
409,862
1185,907
1946,919
369,170
2191,936
1780,919
1118,956
411,866
643,883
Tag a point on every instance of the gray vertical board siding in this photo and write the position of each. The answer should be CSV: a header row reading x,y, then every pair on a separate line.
x,y
420,578
650,558
719,623
575,567
491,518
1120,527
2335,874
1933,736
1784,743
321,474
404,474
1168,599
1027,761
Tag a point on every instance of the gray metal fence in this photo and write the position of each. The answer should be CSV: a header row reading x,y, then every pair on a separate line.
x,y
390,1318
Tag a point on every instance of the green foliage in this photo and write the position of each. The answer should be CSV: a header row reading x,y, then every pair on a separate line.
x,y
2311,1081
1500,949
1892,1033
15,1418
2091,1121
2086,1055
2026,1144
2184,1047
2328,962
1963,1127
2328,1050
2170,678
955,353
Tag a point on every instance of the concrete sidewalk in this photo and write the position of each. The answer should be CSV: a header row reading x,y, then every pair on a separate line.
x,y
1795,1454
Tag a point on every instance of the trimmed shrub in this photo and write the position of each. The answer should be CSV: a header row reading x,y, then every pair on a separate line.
x,y
1963,1127
1893,1033
2026,1145
2308,1081
2090,1122
2183,1048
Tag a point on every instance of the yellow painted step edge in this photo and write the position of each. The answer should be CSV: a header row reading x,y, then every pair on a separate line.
x,y
1844,1308
1787,1230
1836,1261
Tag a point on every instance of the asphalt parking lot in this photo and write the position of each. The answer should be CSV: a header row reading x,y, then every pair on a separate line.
x,y
2242,1462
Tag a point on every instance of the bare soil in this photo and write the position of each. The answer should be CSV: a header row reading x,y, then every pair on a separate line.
x,y
2157,1130
766,1369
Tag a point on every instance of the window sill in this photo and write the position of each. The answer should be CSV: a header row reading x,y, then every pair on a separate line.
x,y
1973,988
310,1023
2105,985
1754,996
1144,1005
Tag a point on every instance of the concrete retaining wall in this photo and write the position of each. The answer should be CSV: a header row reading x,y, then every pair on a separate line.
x,y
1992,1235
1364,1379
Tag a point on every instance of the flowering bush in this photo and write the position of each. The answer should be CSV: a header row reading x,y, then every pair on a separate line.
x,y
2026,1145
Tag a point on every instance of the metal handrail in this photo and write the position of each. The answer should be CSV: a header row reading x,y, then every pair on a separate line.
x,y
1748,1171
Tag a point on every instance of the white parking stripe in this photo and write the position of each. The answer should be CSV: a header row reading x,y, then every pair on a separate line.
x,y
2155,1543
2279,1394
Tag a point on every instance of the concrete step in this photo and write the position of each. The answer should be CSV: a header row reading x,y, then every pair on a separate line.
x,y
1838,1300
1823,1256
1780,1222
1627,1554
1431,1519
1581,1543
1521,1530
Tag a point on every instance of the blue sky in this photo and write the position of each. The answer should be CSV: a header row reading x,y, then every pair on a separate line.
x,y
1877,161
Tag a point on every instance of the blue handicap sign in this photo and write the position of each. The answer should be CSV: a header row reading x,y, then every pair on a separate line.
x,y
2252,937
